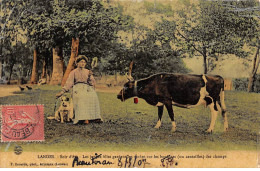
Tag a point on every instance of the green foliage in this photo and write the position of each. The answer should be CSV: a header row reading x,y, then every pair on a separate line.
x,y
164,32
116,60
55,22
171,64
152,58
212,28
17,61
155,53
240,84
158,8
208,28
13,51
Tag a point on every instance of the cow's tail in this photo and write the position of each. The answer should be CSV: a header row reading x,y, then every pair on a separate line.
x,y
222,101
222,96
223,105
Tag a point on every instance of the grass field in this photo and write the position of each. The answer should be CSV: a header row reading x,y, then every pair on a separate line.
x,y
129,127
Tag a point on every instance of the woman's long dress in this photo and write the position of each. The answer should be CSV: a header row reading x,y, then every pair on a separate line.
x,y
85,100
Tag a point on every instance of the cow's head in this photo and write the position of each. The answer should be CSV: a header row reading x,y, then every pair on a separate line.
x,y
128,90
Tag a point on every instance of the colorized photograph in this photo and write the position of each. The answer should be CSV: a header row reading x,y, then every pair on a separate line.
x,y
129,83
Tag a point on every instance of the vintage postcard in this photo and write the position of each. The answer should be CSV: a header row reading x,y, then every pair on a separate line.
x,y
129,83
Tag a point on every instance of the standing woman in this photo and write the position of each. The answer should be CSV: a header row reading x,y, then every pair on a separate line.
x,y
85,100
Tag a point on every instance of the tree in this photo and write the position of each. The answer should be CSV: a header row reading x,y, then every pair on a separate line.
x,y
45,34
252,75
155,52
9,33
71,64
152,50
55,23
34,69
58,65
210,28
249,10
15,57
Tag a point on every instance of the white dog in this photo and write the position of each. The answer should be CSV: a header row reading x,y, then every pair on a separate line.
x,y
65,111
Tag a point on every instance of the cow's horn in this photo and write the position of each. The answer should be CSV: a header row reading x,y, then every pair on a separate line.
x,y
129,77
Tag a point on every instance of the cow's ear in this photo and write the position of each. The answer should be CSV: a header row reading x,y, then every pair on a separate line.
x,y
130,78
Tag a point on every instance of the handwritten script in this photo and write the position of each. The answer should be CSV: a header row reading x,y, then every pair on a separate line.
x,y
95,160
130,161
168,161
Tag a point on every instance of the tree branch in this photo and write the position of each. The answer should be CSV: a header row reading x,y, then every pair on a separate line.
x,y
8,18
256,62
188,40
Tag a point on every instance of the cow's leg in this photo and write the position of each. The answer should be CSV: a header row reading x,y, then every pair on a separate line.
x,y
224,110
224,114
171,115
160,113
214,114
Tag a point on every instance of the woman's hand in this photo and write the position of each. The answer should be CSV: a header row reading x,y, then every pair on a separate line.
x,y
90,72
59,94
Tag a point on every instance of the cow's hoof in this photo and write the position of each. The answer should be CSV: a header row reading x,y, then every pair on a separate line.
x,y
225,129
209,131
156,127
173,130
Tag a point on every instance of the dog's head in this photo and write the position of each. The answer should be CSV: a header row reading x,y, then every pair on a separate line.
x,y
64,101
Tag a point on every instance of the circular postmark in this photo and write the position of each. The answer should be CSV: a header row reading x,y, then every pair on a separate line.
x,y
18,150
18,124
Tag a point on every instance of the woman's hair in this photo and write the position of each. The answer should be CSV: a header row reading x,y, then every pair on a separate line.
x,y
81,57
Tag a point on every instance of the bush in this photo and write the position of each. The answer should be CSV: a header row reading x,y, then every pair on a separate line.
x,y
240,84
158,8
256,87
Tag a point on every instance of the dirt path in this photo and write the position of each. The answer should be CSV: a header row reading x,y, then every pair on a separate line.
x,y
105,89
7,90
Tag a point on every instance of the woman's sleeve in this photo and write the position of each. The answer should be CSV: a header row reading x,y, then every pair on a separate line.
x,y
69,83
93,81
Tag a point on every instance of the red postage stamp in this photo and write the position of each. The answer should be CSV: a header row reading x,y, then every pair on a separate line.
x,y
22,123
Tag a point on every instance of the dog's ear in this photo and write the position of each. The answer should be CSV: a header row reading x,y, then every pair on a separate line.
x,y
67,99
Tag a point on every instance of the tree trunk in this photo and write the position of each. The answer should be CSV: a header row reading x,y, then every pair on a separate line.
x,y
48,78
44,69
205,60
57,72
254,71
205,64
71,64
34,68
1,69
116,77
11,72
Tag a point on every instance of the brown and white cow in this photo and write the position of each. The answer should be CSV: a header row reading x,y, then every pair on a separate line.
x,y
182,90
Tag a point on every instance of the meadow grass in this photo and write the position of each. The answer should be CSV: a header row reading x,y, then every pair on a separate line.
x,y
129,127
